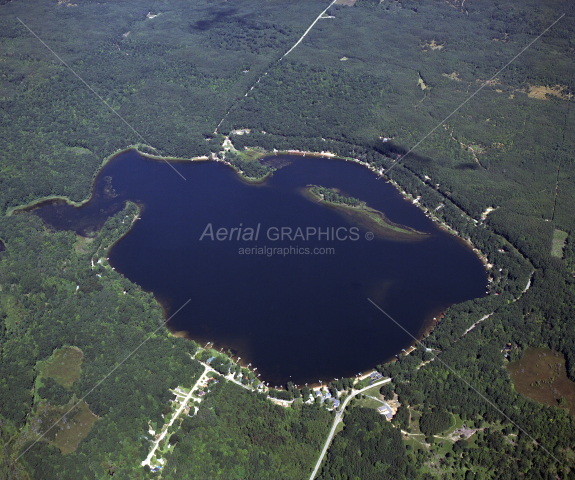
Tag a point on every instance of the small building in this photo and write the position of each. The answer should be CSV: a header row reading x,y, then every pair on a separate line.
x,y
386,410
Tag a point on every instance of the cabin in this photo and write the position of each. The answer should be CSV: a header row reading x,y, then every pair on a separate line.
x,y
386,410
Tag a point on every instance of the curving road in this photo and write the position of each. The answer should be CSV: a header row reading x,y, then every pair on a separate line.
x,y
338,417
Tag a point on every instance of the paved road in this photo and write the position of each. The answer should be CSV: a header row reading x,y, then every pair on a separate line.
x,y
338,417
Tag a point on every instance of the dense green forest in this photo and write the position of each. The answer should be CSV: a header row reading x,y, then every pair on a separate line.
x,y
367,448
332,196
171,77
368,83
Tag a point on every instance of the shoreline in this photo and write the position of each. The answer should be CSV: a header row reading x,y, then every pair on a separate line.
x,y
35,203
368,217
428,325
406,196
139,209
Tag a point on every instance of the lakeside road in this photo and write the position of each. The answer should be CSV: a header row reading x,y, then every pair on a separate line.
x,y
338,418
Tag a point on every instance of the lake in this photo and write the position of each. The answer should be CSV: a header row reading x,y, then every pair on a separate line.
x,y
300,313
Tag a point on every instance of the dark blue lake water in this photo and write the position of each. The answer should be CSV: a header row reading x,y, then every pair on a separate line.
x,y
300,317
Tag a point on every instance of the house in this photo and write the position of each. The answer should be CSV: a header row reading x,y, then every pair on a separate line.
x,y
386,410
376,376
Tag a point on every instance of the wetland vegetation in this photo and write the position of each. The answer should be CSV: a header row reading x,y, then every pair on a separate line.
x,y
498,172
540,375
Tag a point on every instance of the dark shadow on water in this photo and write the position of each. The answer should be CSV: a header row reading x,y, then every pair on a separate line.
x,y
295,316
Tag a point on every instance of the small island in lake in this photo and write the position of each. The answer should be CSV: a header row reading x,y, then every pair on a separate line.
x,y
332,195
357,211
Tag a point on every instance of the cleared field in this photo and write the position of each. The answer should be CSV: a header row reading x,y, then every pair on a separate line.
x,y
558,243
64,366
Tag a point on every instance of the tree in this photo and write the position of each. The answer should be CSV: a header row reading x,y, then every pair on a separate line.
x,y
387,391
435,422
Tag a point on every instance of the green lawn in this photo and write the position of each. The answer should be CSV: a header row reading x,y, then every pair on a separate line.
x,y
558,243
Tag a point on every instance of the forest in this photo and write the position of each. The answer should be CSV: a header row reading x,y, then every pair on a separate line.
x,y
367,83
332,196
368,447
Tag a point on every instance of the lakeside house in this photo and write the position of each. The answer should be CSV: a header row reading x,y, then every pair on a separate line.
x,y
374,377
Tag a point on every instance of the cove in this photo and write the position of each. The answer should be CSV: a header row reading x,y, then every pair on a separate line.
x,y
295,307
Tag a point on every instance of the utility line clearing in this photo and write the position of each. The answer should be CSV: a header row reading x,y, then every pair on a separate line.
x,y
307,31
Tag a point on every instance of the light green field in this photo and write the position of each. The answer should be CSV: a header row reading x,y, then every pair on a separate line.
x,y
558,243
64,366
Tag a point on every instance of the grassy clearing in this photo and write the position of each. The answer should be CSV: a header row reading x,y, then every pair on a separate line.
x,y
369,403
558,243
64,366
374,392
542,92
251,154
